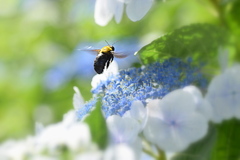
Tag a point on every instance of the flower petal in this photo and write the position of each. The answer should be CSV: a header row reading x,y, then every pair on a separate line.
x,y
137,9
118,11
103,11
202,105
98,78
122,129
78,101
224,94
137,112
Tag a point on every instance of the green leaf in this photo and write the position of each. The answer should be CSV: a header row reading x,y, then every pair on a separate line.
x,y
97,124
200,150
235,12
198,41
228,141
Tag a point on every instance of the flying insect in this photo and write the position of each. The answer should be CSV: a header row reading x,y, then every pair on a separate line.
x,y
104,57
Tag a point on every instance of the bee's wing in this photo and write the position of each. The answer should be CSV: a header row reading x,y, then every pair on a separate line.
x,y
91,50
119,55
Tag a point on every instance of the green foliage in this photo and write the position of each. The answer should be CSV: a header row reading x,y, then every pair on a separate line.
x,y
227,145
198,41
97,124
235,12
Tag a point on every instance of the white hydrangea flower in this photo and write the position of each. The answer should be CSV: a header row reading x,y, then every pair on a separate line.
x,y
173,122
224,94
74,135
17,150
202,105
137,112
105,10
124,130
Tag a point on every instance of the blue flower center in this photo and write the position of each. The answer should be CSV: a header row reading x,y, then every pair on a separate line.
x,y
149,82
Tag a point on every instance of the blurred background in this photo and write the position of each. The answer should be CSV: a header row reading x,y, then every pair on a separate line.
x,y
41,58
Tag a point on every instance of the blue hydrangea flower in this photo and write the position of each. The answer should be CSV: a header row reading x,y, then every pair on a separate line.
x,y
148,82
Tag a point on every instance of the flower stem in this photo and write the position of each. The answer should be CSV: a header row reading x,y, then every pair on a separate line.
x,y
161,154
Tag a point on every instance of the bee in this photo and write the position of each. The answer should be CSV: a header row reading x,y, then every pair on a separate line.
x,y
104,57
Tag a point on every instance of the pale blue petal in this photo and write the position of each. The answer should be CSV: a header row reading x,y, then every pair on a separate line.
x,y
103,12
137,9
118,11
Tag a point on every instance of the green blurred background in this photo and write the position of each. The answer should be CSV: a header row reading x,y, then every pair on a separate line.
x,y
37,35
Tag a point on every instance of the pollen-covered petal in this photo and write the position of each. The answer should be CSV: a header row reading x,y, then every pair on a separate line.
x,y
137,9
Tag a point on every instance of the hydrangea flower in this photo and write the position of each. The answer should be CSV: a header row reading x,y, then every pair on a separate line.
x,y
52,141
202,105
17,150
105,10
173,122
68,133
224,94
153,81
124,130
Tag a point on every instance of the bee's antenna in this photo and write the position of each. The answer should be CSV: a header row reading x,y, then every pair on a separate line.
x,y
107,42
115,42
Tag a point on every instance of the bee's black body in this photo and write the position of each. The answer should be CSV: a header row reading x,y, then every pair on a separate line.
x,y
103,59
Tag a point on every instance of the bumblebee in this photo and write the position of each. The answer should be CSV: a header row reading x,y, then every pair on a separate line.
x,y
104,57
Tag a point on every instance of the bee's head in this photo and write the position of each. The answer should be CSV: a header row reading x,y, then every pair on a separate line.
x,y
112,48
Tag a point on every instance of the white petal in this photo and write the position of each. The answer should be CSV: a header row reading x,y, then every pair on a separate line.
x,y
98,78
89,155
118,11
202,105
78,101
137,9
103,11
78,137
224,94
69,118
137,112
194,91
122,129
119,152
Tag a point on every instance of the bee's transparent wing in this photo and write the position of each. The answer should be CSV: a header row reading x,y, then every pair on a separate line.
x,y
91,50
120,54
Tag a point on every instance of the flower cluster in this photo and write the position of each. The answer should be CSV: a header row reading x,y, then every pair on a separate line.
x,y
168,114
118,91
